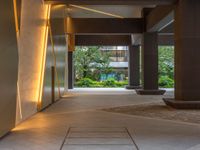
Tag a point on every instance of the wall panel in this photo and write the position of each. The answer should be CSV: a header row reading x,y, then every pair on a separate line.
x,y
31,49
46,95
61,56
8,66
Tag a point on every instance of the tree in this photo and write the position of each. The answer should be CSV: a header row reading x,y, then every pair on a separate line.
x,y
103,64
89,62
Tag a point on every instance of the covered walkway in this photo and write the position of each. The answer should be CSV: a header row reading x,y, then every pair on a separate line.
x,y
37,42
79,122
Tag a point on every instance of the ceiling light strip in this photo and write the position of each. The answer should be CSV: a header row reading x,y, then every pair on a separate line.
x,y
96,11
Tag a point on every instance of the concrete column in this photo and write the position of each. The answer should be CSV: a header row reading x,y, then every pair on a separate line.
x,y
187,52
150,65
134,67
70,70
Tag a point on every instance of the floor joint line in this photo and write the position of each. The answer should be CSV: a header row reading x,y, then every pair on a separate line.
x,y
136,146
65,138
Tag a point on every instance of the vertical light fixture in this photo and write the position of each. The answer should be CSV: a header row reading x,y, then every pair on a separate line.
x,y
16,17
19,101
41,78
17,36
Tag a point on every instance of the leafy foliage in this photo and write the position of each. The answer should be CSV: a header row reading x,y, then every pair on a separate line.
x,y
109,83
166,66
89,62
166,82
86,82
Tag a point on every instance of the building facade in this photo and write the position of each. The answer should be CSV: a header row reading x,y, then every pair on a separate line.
x,y
118,62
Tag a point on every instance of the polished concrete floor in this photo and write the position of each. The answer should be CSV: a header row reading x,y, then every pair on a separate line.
x,y
77,123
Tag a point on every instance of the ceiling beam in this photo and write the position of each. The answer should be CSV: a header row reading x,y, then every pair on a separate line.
x,y
103,26
102,40
163,40
159,18
119,40
112,2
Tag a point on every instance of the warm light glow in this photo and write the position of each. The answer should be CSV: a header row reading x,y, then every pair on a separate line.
x,y
96,11
68,24
58,7
16,17
19,101
17,129
17,35
71,42
43,61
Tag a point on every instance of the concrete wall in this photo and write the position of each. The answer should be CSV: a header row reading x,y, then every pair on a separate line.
x,y
8,66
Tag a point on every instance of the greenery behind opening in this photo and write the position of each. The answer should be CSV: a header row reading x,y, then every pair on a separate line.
x,y
90,62
166,66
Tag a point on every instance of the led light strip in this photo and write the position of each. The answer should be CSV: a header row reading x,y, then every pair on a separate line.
x,y
19,101
96,11
17,34
16,17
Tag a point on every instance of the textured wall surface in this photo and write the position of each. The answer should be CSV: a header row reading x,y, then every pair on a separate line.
x,y
31,47
8,66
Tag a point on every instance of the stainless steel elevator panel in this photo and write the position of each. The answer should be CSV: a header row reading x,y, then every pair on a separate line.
x,y
47,90
60,53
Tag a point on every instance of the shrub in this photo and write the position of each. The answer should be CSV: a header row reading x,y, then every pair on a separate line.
x,y
97,84
121,83
109,83
166,82
85,82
